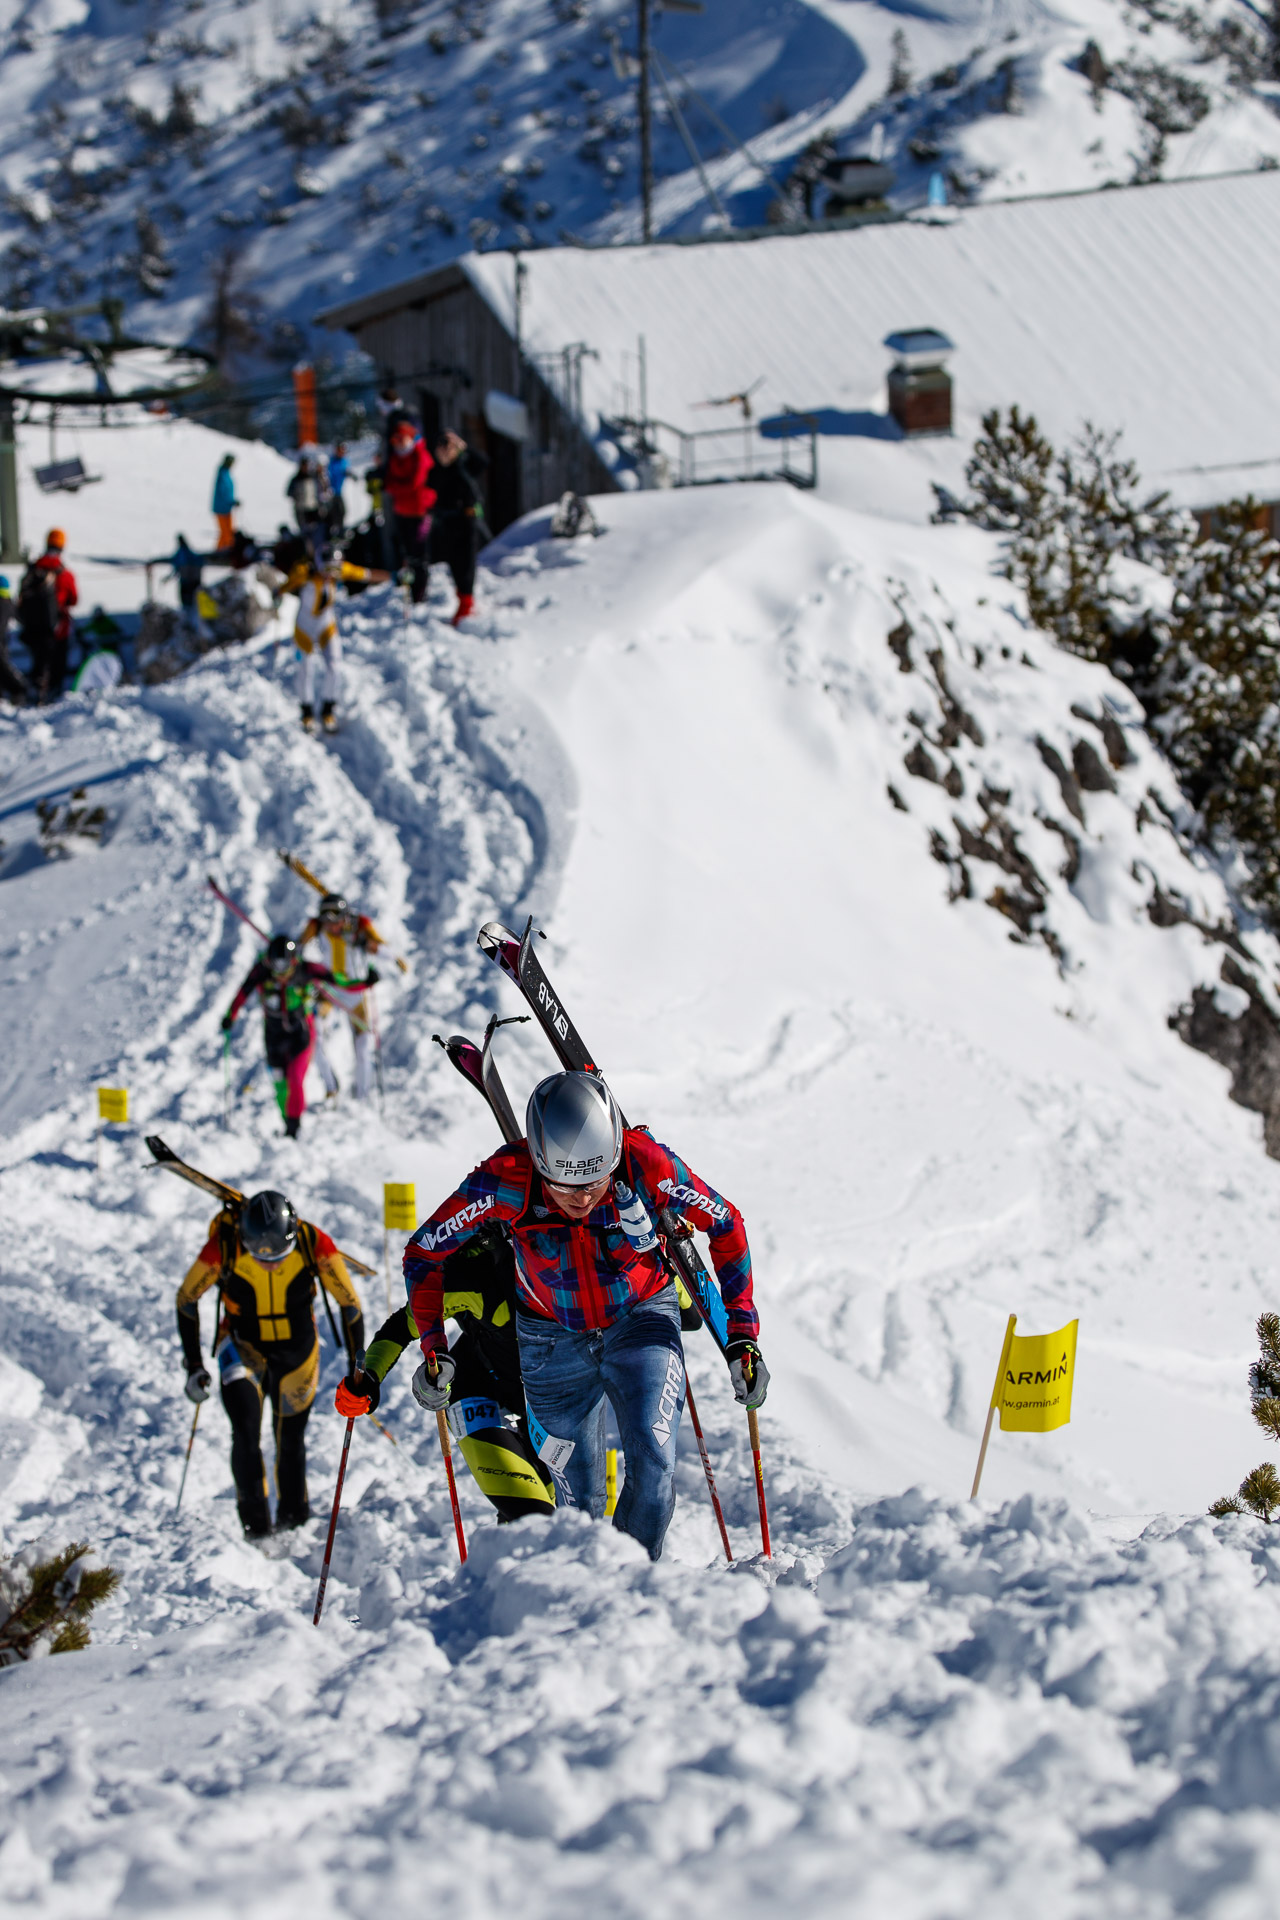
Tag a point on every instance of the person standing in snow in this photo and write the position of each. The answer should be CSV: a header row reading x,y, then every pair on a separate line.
x,y
598,1314
338,470
407,485
456,517
188,571
224,501
314,579
348,933
12,684
267,1264
45,599
288,987
309,492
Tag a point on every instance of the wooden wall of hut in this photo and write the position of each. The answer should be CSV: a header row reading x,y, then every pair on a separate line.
x,y
445,353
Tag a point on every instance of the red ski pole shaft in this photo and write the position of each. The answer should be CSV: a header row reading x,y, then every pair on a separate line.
x,y
446,1449
333,1523
239,912
753,1428
692,1405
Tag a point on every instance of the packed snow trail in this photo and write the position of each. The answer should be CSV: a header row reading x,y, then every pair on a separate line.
x,y
673,745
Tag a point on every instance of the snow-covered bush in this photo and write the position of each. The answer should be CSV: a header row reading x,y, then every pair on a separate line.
x,y
45,1603
1069,519
1218,713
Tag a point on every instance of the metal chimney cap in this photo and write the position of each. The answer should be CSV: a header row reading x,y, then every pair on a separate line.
x,y
920,346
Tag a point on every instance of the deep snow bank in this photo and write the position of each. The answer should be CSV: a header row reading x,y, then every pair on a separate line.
x,y
968,1712
674,744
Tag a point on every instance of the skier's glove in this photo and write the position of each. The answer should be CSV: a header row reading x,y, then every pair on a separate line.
x,y
372,977
359,1393
748,1372
434,1394
197,1387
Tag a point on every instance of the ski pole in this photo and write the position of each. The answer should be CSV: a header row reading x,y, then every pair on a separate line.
x,y
226,1083
333,1523
377,1046
692,1405
753,1428
446,1448
239,912
195,1421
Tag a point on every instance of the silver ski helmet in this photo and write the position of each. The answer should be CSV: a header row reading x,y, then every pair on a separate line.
x,y
574,1129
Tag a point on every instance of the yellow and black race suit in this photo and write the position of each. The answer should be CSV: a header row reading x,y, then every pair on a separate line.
x,y
486,1403
267,1348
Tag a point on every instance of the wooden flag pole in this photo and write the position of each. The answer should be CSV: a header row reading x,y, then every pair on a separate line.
x,y
996,1394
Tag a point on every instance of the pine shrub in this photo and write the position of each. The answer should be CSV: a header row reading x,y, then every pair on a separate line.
x,y
1220,718
45,1604
1259,1491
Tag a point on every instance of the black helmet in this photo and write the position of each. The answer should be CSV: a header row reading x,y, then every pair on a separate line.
x,y
282,954
268,1226
333,907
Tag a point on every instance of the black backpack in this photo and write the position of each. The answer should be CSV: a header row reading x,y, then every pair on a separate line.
x,y
38,604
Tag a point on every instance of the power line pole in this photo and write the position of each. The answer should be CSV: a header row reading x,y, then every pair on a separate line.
x,y
10,537
644,54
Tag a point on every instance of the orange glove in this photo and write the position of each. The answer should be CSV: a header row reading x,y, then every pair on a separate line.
x,y
351,1405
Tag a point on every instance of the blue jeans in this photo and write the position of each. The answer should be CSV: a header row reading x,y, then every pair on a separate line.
x,y
639,1363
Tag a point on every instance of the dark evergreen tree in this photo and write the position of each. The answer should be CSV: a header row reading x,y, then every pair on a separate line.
x,y
1219,718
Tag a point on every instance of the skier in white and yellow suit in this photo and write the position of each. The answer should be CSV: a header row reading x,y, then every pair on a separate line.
x,y
315,581
350,936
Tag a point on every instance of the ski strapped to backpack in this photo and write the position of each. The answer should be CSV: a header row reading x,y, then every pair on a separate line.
x,y
229,1196
520,963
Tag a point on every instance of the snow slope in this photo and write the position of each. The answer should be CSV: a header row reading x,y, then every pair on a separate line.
x,y
336,150
673,745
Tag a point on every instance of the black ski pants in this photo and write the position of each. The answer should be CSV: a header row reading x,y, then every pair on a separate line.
x,y
410,538
283,1377
453,543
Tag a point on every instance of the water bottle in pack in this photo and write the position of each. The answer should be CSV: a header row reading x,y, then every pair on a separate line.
x,y
633,1218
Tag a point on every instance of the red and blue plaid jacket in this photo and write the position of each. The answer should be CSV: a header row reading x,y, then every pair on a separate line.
x,y
581,1274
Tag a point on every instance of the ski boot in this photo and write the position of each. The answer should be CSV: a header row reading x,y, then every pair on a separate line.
x,y
328,718
465,608
308,718
292,1121
255,1518
287,1518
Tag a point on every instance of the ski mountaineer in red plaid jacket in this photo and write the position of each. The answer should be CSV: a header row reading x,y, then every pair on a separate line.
x,y
596,1309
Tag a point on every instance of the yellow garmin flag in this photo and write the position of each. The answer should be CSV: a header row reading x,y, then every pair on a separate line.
x,y
113,1104
399,1205
1032,1391
1036,1381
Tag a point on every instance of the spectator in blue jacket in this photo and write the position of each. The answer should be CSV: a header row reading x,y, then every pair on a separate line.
x,y
338,470
225,502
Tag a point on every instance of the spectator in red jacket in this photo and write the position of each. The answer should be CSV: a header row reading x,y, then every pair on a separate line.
x,y
45,599
411,499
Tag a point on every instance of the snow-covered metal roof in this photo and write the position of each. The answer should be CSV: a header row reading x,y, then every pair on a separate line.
x,y
1151,309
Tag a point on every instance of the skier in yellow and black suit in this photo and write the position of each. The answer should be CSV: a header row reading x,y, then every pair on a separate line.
x,y
266,1264
486,1405
348,934
315,581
